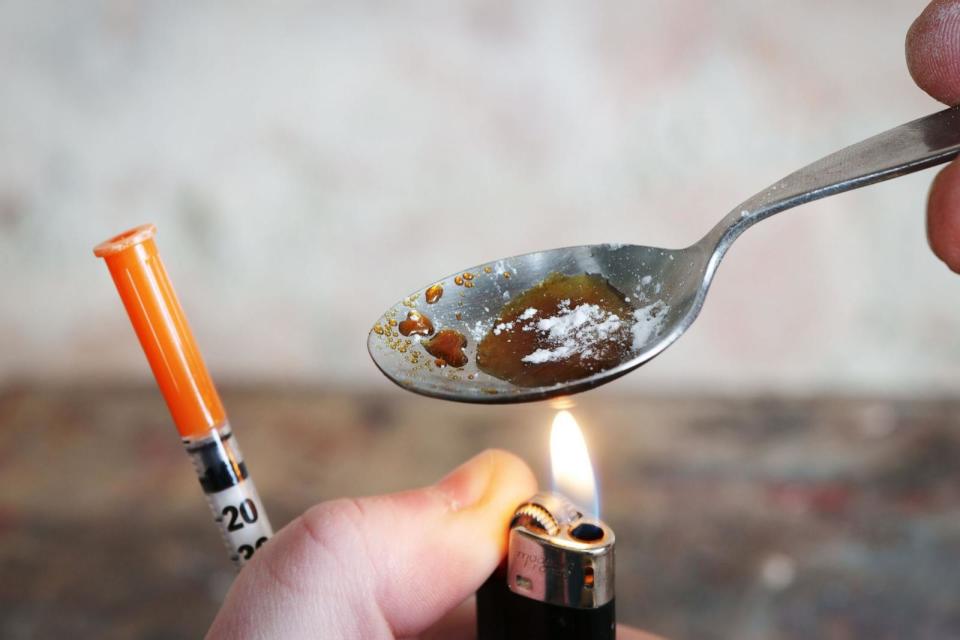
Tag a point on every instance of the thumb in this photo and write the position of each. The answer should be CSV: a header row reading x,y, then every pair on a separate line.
x,y
379,567
933,50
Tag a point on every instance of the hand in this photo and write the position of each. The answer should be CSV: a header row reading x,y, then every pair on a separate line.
x,y
933,56
386,566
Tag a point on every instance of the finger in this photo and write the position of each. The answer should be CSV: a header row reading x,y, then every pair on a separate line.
x,y
380,567
933,50
459,624
943,216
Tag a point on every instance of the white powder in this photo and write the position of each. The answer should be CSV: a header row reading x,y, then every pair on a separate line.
x,y
477,331
548,355
503,326
647,322
587,330
580,330
645,280
507,326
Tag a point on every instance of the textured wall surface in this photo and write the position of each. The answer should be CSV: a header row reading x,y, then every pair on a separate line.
x,y
308,163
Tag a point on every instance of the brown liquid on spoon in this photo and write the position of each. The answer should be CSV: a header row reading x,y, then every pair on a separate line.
x,y
502,355
434,293
447,347
416,324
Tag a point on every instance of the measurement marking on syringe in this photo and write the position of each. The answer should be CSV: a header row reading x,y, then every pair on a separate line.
x,y
234,503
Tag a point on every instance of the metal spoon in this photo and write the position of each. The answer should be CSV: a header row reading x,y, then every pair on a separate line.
x,y
676,280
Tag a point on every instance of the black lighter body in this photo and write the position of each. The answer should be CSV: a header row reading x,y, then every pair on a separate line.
x,y
558,579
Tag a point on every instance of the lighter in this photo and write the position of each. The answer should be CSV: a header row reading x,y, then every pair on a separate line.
x,y
557,581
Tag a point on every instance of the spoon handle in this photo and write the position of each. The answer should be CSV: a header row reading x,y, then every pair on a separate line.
x,y
910,147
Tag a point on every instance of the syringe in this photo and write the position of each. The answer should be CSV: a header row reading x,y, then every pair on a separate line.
x,y
178,367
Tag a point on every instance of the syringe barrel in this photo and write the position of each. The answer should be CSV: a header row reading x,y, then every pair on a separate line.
x,y
166,338
231,494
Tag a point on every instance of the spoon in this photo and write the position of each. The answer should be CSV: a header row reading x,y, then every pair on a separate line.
x,y
673,281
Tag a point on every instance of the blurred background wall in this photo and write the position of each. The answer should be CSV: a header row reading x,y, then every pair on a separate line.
x,y
309,163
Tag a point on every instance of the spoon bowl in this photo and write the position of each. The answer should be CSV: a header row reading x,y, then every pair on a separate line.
x,y
676,281
645,275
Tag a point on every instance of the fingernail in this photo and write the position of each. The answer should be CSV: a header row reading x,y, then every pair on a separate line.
x,y
467,484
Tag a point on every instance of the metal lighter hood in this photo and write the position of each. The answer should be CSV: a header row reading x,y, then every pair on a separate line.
x,y
558,556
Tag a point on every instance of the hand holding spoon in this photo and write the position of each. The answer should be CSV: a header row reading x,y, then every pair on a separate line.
x,y
666,287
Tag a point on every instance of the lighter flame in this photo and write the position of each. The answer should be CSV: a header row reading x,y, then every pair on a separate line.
x,y
570,463
562,402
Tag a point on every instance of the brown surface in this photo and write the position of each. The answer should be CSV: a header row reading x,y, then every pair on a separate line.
x,y
501,352
104,533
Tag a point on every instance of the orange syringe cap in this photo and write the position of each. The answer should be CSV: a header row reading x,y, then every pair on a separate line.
x,y
162,328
